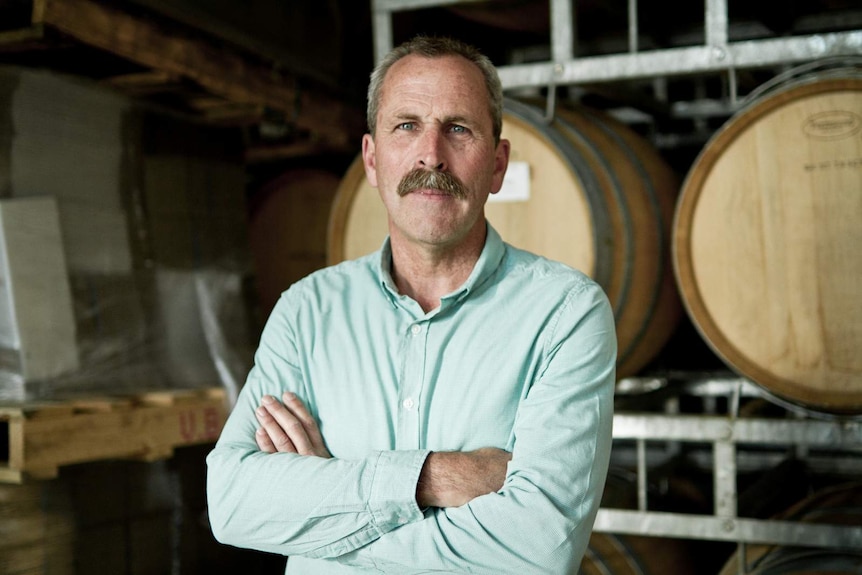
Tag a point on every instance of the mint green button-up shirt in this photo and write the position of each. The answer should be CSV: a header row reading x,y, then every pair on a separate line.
x,y
520,357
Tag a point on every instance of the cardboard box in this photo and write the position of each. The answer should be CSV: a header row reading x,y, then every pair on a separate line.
x,y
37,321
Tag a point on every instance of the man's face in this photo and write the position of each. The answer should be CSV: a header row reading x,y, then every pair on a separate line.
x,y
434,116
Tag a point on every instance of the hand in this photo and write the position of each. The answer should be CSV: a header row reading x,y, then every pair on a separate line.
x,y
288,427
451,479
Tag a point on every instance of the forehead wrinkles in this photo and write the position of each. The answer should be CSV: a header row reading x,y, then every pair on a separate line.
x,y
450,87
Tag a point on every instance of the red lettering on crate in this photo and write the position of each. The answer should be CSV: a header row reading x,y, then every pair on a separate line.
x,y
212,423
190,429
188,425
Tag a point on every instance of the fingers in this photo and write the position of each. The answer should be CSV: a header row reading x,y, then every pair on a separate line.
x,y
288,427
297,408
275,423
264,442
309,424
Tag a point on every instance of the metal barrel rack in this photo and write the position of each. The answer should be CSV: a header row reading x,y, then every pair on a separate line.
x,y
729,442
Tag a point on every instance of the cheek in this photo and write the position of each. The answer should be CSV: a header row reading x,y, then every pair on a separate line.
x,y
482,176
389,169
387,181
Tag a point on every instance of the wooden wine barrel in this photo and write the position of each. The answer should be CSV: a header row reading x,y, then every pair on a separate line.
x,y
839,505
287,229
601,200
610,554
616,554
767,240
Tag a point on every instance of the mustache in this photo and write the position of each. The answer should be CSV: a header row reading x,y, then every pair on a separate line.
x,y
445,182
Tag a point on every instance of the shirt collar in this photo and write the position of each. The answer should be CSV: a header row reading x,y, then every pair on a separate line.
x,y
488,262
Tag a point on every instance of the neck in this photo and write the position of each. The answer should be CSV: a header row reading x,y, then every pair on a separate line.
x,y
427,273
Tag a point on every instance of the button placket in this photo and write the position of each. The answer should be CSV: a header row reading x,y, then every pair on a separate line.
x,y
411,386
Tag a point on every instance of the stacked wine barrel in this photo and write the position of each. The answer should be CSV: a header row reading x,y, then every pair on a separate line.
x,y
600,199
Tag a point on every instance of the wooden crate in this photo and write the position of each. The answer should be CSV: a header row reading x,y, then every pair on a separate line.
x,y
41,437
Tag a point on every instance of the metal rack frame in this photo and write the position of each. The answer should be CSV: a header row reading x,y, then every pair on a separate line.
x,y
716,54
724,433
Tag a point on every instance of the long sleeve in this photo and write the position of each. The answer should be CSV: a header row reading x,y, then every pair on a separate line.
x,y
541,520
295,505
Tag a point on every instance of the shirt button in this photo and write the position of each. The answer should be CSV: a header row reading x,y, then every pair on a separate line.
x,y
408,403
416,329
402,520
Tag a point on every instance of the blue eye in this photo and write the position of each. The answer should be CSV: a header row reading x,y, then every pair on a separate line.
x,y
458,129
405,126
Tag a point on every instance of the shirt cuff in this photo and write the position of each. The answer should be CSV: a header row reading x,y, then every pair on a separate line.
x,y
393,491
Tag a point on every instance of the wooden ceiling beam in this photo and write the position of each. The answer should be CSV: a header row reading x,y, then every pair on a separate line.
x,y
144,83
216,69
23,39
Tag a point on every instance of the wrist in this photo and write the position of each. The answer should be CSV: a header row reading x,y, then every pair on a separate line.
x,y
437,486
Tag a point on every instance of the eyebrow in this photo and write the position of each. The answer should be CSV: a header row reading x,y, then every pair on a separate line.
x,y
405,116
446,120
456,120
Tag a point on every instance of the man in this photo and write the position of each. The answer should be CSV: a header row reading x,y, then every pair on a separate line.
x,y
443,405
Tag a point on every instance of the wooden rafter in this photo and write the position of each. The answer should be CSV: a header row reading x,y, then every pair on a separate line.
x,y
246,82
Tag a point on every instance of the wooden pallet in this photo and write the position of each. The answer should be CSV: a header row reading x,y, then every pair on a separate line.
x,y
45,436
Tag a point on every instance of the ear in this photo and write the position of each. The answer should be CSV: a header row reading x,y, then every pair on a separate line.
x,y
501,162
369,159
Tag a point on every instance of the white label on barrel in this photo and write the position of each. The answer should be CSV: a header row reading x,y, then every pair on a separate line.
x,y
516,184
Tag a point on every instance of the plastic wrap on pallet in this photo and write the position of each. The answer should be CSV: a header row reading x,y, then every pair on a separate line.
x,y
153,224
194,334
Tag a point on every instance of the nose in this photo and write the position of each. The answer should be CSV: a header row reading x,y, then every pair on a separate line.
x,y
431,152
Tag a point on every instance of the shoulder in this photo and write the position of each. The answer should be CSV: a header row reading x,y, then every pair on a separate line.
x,y
332,283
521,265
557,289
351,272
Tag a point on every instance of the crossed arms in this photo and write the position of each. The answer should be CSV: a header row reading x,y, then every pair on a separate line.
x,y
273,486
447,479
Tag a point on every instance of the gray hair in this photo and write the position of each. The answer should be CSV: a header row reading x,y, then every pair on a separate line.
x,y
432,47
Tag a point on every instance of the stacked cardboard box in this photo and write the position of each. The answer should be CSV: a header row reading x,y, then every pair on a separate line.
x,y
153,230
